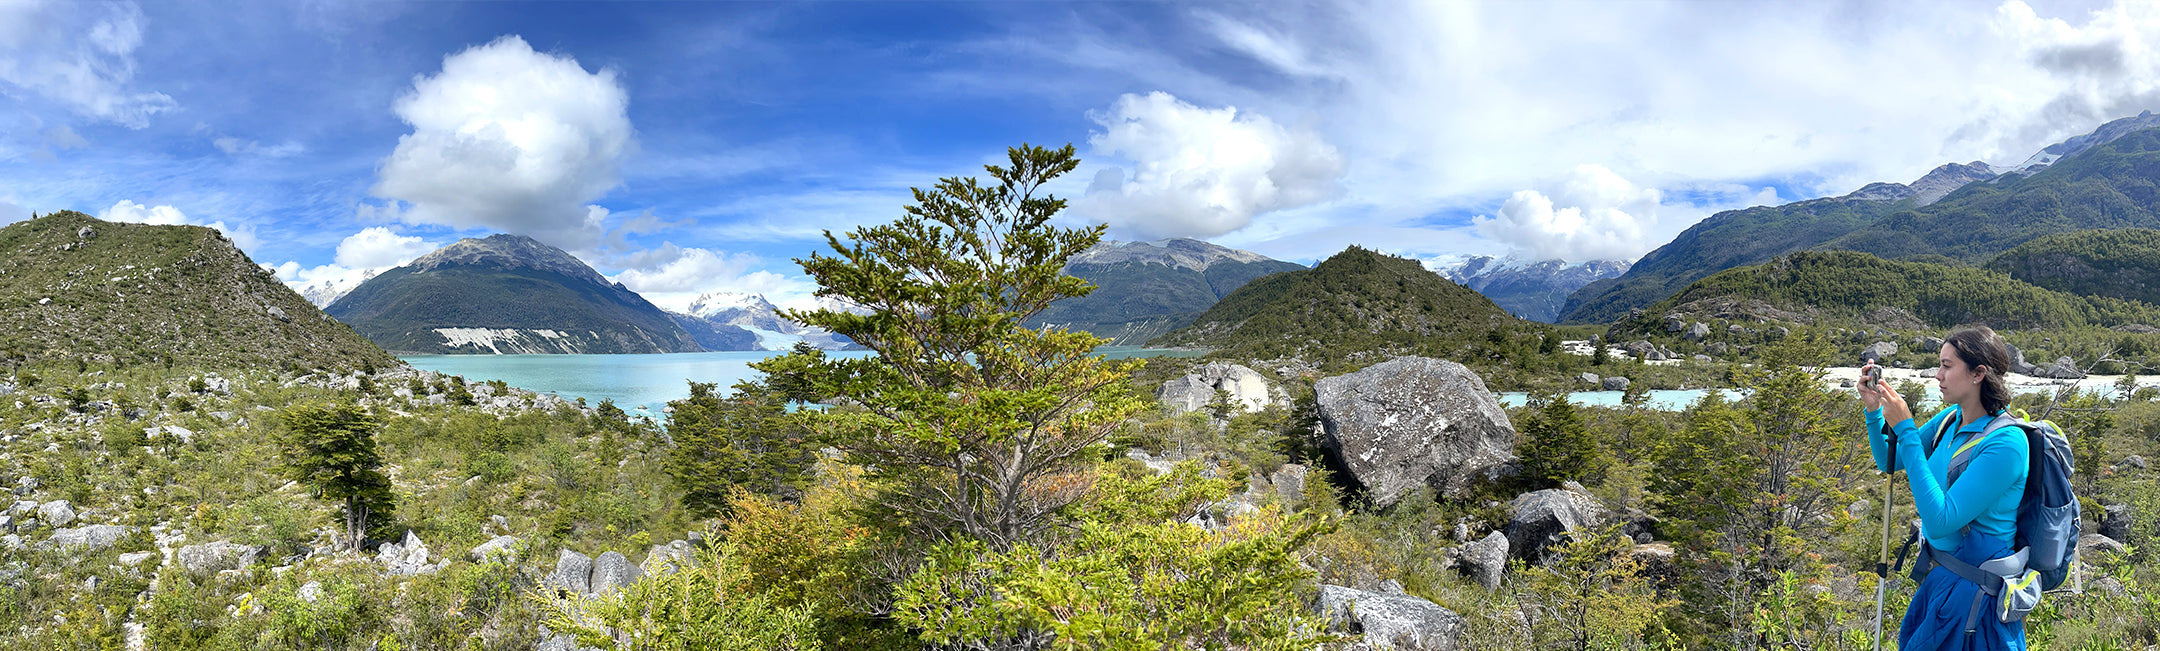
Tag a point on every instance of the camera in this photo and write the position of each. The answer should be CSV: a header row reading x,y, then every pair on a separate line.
x,y
1873,373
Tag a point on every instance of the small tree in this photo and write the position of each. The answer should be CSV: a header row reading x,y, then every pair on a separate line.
x,y
1557,446
980,425
331,449
742,440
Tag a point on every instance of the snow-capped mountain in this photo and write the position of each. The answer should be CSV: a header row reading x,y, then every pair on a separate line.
x,y
1533,290
759,316
324,293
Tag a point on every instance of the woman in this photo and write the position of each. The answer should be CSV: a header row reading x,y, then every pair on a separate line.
x,y
1973,519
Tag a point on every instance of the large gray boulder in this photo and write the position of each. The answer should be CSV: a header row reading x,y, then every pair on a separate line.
x,y
57,513
2115,521
1614,383
1879,351
505,547
211,558
89,538
1537,521
669,557
1588,378
407,558
1192,392
1486,560
1389,621
1414,421
573,572
1697,332
613,571
2064,368
2018,364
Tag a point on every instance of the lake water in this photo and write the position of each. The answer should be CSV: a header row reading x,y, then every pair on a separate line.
x,y
643,381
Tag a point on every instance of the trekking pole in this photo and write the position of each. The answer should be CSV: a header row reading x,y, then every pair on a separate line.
x,y
1882,564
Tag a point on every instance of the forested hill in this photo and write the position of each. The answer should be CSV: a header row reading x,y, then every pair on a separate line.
x,y
2122,263
73,287
1358,300
1840,286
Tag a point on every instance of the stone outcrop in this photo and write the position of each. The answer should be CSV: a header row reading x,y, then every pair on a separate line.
x,y
1879,351
407,558
573,572
89,538
1539,520
499,546
2064,368
1192,392
56,513
1614,383
1390,621
612,571
1414,421
214,557
1485,560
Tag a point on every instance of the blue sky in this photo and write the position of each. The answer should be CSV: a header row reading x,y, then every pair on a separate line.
x,y
692,147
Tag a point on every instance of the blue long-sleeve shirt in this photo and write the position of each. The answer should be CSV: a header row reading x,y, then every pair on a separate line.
x,y
1986,495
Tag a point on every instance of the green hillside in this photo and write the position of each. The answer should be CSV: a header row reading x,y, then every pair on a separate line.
x,y
1728,239
2121,263
1138,300
517,294
2115,185
75,287
1830,287
1356,301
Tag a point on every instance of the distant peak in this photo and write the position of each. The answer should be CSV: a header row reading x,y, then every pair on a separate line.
x,y
1176,252
506,251
713,303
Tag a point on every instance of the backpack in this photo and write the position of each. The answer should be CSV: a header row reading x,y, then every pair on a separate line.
x,y
2048,515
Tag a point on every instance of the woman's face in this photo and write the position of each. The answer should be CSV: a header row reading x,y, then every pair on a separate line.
x,y
1957,380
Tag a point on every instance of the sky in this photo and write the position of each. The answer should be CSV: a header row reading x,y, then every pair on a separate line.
x,y
683,148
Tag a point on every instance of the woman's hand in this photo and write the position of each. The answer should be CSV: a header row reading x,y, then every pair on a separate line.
x,y
1893,405
1868,397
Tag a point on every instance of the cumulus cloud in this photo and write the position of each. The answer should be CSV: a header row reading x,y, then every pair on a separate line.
x,y
510,139
1591,214
129,211
1200,172
671,277
80,55
376,246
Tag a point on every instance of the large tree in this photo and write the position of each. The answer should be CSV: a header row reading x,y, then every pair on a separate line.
x,y
331,449
979,426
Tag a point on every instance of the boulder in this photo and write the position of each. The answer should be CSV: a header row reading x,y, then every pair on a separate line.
x,y
1697,332
1702,358
1289,483
132,559
214,557
57,513
1614,383
667,558
89,538
2115,521
407,558
1485,560
613,571
505,547
1635,523
2090,547
1639,348
1736,330
1588,378
1539,520
1195,390
1927,373
1879,351
573,572
1414,421
1673,323
1929,344
2133,461
1654,561
2064,368
2017,361
1390,621
310,591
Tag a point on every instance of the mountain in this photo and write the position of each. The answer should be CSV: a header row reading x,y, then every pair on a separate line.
x,y
1965,212
1535,290
324,293
2123,263
75,287
757,320
506,294
1358,300
1145,289
1847,287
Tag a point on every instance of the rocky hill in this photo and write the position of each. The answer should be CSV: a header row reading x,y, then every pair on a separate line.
x,y
2122,263
2104,179
1358,300
75,287
506,294
1145,289
1534,290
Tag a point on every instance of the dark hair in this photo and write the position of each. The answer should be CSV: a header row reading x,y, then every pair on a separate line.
x,y
1980,346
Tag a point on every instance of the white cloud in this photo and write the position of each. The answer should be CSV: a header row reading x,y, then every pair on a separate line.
x,y
377,247
236,147
1591,214
129,211
80,55
510,139
671,277
1201,172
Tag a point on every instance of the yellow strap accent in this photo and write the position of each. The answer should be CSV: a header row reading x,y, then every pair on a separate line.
x,y
2029,576
1969,444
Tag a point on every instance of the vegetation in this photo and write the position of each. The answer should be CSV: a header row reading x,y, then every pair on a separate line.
x,y
79,289
740,440
331,449
1135,302
2120,263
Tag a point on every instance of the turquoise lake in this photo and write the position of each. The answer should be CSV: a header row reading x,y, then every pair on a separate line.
x,y
643,381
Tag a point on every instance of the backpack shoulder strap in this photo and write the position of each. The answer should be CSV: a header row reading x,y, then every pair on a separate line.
x,y
1929,443
1964,454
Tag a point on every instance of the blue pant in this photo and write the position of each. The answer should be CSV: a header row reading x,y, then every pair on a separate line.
x,y
1936,618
